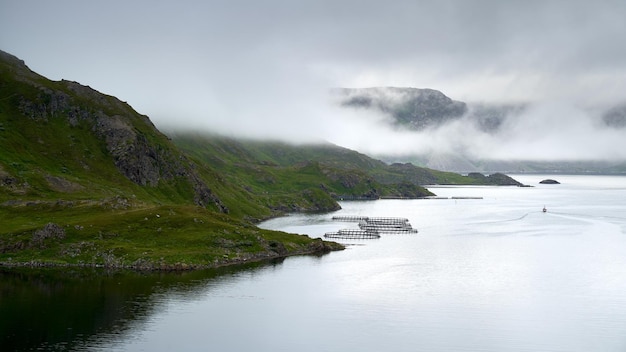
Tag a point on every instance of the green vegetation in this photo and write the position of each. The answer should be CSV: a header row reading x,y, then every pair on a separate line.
x,y
86,180
83,178
163,237
51,148
274,170
277,167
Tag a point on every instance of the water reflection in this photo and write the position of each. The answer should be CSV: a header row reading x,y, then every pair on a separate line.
x,y
70,308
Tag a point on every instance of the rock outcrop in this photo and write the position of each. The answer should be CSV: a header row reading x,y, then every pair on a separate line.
x,y
550,182
499,179
139,151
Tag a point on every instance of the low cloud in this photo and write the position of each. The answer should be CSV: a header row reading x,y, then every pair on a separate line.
x,y
542,131
263,69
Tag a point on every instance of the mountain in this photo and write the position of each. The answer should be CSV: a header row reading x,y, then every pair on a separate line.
x,y
418,109
342,173
411,108
86,180
429,111
65,139
276,171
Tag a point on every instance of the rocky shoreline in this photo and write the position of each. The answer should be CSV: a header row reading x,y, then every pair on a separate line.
x,y
317,247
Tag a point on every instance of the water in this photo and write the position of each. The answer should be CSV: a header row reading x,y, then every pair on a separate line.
x,y
490,274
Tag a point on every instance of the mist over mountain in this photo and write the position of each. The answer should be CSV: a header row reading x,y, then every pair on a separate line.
x,y
616,116
64,139
412,108
516,80
436,131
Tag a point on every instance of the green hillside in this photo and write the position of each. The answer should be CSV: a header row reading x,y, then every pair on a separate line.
x,y
65,140
84,179
274,170
269,166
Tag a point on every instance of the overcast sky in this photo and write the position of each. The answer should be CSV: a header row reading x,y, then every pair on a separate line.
x,y
265,67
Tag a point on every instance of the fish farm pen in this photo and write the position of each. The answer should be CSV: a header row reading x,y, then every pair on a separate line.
x,y
387,228
358,218
371,227
352,234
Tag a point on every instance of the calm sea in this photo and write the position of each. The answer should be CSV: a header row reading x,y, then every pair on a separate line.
x,y
489,274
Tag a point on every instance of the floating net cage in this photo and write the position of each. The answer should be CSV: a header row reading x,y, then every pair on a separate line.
x,y
352,234
371,227
373,220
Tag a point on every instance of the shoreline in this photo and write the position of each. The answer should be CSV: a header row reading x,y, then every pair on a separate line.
x,y
324,247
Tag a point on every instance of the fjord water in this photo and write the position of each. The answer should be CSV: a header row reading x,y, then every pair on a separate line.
x,y
490,274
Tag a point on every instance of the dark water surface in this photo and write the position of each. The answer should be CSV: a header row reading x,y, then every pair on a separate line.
x,y
78,309
490,274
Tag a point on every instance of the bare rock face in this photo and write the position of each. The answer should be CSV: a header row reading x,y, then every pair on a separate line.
x,y
6,179
147,163
60,184
139,151
49,231
131,152
11,183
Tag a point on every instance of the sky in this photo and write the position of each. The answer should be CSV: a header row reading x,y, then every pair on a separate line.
x,y
264,68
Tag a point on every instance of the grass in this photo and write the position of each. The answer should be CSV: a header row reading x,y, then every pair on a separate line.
x,y
58,166
160,237
280,172
55,169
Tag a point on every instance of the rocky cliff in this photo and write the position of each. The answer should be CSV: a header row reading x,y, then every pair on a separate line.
x,y
137,149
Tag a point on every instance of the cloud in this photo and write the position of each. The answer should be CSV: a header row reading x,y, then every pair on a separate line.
x,y
549,131
264,68
557,131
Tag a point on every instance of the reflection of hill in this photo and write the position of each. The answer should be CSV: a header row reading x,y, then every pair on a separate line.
x,y
49,309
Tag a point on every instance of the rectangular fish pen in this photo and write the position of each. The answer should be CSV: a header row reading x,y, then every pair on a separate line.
x,y
352,234
379,224
386,220
350,218
388,229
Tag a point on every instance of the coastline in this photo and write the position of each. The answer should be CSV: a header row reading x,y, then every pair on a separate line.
x,y
317,247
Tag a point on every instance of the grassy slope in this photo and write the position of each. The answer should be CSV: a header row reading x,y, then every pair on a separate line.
x,y
149,237
52,171
270,165
273,170
35,149
54,168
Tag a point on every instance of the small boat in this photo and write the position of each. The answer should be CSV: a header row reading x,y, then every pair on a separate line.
x,y
544,209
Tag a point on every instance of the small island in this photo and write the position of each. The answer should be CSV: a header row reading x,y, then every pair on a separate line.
x,y
550,182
